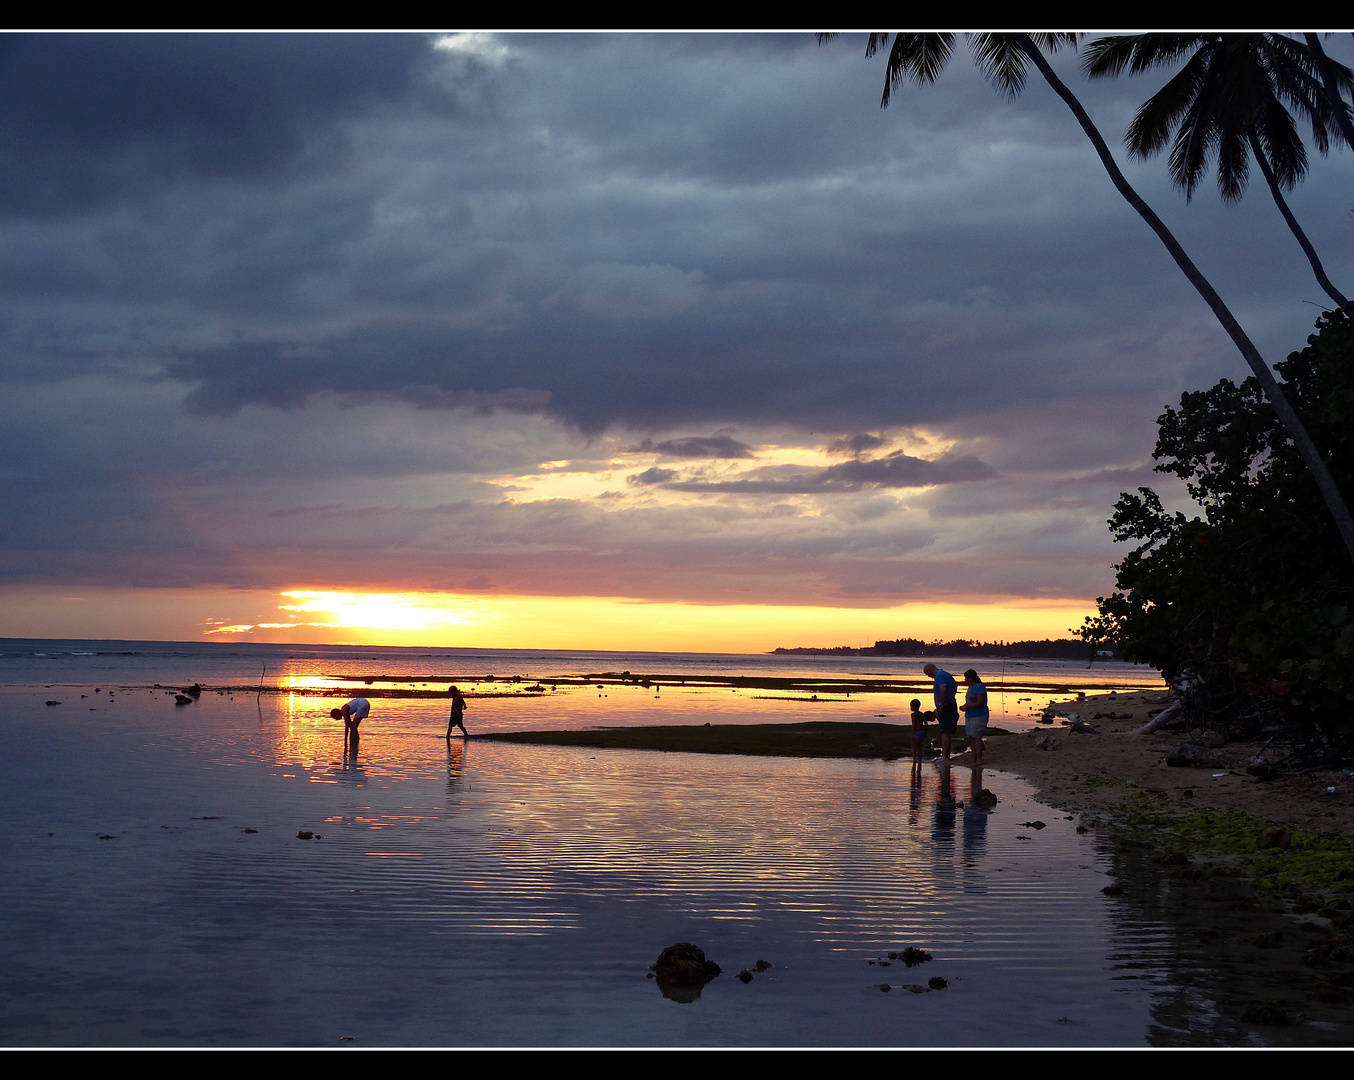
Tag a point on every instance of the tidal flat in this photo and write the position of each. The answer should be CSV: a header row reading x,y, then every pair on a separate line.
x,y
158,892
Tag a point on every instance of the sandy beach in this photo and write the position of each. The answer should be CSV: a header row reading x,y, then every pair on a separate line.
x,y
1099,773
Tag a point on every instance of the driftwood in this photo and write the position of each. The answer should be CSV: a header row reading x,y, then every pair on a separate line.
x,y
1168,715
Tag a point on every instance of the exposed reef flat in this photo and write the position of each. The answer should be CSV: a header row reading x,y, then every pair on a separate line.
x,y
810,739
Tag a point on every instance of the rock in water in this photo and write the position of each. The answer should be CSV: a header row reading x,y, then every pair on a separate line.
x,y
682,970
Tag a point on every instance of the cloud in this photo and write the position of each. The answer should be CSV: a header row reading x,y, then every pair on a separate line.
x,y
898,470
624,291
652,476
90,118
856,444
696,446
340,306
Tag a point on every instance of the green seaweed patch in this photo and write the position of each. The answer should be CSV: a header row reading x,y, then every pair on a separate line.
x,y
1313,872
815,738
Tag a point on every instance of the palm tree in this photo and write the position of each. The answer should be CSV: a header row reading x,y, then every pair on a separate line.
x,y
1230,100
1330,80
1004,59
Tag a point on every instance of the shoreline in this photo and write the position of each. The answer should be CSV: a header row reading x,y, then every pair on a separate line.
x,y
1094,774
1102,774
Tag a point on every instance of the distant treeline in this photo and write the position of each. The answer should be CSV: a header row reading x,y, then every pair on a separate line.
x,y
1055,648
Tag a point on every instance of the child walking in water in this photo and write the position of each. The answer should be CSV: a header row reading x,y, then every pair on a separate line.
x,y
457,718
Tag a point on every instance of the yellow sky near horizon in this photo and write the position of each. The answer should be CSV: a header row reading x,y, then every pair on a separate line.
x,y
508,622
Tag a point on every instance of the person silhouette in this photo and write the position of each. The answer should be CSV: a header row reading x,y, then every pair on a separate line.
x,y
457,717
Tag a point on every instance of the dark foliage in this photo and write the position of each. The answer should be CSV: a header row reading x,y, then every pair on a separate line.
x,y
1253,597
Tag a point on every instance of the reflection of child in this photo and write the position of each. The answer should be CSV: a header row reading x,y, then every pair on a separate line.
x,y
918,729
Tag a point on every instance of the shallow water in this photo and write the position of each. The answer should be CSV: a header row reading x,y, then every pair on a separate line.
x,y
1018,689
499,895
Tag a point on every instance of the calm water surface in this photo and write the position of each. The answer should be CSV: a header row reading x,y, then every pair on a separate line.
x,y
511,895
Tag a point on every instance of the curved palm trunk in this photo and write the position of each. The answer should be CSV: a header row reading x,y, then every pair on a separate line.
x,y
1306,245
1329,85
1311,457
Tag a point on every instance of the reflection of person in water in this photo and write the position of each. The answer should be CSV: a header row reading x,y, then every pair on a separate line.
x,y
457,717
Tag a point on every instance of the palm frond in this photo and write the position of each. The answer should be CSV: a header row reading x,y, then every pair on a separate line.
x,y
1108,57
919,57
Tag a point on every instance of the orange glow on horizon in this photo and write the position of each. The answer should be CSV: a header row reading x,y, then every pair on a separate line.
x,y
621,624
371,617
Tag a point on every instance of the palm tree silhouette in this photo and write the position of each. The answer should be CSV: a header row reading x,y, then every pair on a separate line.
x,y
1005,60
1231,101
1330,80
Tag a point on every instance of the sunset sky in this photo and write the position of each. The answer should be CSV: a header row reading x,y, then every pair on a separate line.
x,y
604,341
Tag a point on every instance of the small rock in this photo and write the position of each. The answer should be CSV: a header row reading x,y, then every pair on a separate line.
x,y
684,964
1192,756
305,834
1275,837
1266,1012
912,957
937,982
1332,994
744,976
762,965
913,988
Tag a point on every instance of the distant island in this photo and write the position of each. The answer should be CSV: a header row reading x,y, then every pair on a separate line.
x,y
1049,649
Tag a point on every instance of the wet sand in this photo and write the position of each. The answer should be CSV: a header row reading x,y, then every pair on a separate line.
x,y
1101,773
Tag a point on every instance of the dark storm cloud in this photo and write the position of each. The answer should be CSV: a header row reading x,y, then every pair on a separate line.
x,y
722,230
91,117
382,275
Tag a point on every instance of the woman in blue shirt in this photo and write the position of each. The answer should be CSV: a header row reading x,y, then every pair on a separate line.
x,y
976,715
